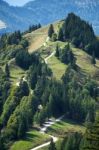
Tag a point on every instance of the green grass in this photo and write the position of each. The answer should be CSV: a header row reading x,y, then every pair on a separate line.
x,y
16,73
84,62
33,139
38,37
83,59
61,128
58,68
50,47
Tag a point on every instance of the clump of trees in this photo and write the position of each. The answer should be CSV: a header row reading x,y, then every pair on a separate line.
x,y
11,44
23,59
83,31
14,98
10,39
90,139
20,120
80,33
73,97
33,28
14,38
72,141
37,70
66,55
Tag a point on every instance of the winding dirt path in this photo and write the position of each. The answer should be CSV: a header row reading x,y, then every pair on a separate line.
x,y
46,59
43,131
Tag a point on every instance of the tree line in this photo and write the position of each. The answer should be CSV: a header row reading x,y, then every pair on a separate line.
x,y
32,28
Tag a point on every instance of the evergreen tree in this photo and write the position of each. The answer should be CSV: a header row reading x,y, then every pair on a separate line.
x,y
93,61
60,35
39,25
21,129
24,88
65,54
33,76
42,116
90,139
72,59
51,104
90,118
57,51
40,86
52,145
51,31
7,71
72,142
33,80
2,147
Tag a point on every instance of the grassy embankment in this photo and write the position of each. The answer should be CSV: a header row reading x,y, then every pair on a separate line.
x,y
33,138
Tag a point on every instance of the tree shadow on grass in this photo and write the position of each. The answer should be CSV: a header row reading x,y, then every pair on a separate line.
x,y
72,122
13,77
96,66
30,137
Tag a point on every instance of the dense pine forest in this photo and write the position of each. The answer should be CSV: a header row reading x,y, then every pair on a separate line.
x,y
32,97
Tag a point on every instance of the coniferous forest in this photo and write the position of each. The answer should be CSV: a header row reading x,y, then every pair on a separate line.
x,y
29,100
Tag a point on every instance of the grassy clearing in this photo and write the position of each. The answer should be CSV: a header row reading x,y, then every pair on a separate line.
x,y
61,128
33,139
15,72
84,62
38,38
57,67
45,51
53,44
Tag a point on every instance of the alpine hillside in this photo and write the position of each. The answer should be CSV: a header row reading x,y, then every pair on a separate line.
x,y
49,85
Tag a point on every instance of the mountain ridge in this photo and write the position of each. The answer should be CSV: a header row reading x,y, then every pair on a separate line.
x,y
35,13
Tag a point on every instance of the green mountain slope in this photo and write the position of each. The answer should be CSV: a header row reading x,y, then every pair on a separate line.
x,y
47,80
44,46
